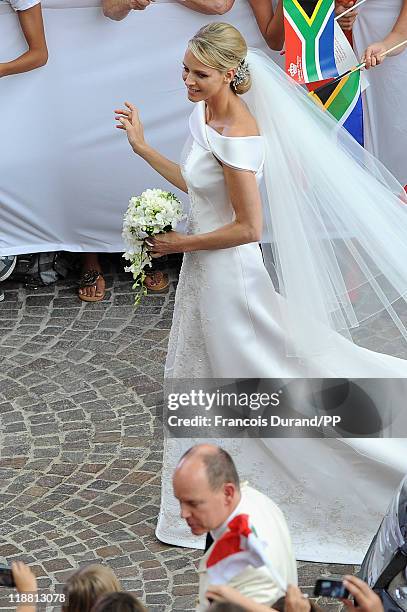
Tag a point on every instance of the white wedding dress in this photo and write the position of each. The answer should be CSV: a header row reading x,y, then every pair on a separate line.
x,y
227,323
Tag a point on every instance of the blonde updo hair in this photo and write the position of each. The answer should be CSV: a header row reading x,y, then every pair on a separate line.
x,y
221,46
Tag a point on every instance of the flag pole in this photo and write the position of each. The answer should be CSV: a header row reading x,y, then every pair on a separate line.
x,y
355,69
352,8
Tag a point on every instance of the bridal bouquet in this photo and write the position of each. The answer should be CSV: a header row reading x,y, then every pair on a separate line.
x,y
153,212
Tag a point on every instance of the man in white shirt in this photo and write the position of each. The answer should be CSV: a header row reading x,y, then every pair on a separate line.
x,y
207,487
119,9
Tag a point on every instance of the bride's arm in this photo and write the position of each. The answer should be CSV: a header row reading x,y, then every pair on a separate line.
x,y
130,121
271,24
246,227
396,36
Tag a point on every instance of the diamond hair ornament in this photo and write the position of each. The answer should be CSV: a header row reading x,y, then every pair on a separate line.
x,y
242,73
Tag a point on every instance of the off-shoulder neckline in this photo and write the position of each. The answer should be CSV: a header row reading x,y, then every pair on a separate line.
x,y
230,137
202,107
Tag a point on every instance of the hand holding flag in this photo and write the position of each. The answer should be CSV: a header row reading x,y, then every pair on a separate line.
x,y
359,67
374,55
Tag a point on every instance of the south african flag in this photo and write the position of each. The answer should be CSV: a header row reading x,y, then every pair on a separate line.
x,y
343,100
309,39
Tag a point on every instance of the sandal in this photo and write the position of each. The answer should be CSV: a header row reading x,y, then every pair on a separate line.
x,y
89,279
160,280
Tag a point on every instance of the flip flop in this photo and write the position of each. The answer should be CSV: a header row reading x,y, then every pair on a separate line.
x,y
158,287
88,279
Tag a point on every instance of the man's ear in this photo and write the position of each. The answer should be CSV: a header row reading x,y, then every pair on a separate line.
x,y
229,490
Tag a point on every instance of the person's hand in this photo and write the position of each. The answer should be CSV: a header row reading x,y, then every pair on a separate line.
x,y
165,244
223,592
372,54
130,121
24,577
139,5
295,601
365,598
346,22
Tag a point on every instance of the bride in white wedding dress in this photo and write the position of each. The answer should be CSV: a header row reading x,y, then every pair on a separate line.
x,y
229,321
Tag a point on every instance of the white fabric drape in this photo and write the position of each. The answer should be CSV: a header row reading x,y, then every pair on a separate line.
x,y
66,172
385,110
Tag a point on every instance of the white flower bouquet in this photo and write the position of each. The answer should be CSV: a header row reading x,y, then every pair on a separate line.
x,y
153,212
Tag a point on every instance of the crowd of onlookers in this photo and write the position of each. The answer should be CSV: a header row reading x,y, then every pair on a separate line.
x,y
214,503
95,588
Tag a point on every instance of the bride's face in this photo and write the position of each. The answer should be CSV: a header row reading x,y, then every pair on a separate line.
x,y
201,81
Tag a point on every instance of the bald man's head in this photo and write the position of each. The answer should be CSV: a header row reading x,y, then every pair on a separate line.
x,y
217,463
206,484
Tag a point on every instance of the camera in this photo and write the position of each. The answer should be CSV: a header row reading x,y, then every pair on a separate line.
x,y
331,587
6,578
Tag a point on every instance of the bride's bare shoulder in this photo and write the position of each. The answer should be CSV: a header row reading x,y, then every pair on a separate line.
x,y
242,124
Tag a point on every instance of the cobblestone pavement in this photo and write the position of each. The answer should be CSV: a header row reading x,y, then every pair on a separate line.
x,y
81,446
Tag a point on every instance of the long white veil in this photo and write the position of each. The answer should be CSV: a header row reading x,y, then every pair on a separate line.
x,y
337,218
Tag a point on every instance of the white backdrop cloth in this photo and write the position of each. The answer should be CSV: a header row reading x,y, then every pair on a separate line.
x,y
66,172
385,107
